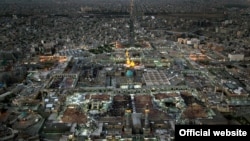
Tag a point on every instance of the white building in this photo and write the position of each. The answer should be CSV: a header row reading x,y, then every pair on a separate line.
x,y
236,57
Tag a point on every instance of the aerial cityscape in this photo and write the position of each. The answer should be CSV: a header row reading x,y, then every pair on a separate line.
x,y
121,70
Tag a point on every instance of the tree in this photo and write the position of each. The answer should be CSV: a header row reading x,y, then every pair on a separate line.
x,y
4,62
6,78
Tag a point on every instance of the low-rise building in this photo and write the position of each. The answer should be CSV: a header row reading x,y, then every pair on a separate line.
x,y
236,57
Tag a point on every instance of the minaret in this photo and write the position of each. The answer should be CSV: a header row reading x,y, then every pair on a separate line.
x,y
128,114
146,116
127,129
146,129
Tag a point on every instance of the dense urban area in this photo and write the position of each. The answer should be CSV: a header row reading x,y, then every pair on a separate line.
x,y
102,70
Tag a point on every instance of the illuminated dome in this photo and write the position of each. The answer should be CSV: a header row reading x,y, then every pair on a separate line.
x,y
129,62
129,73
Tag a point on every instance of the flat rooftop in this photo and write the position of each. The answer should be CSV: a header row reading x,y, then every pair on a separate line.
x,y
101,97
73,115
